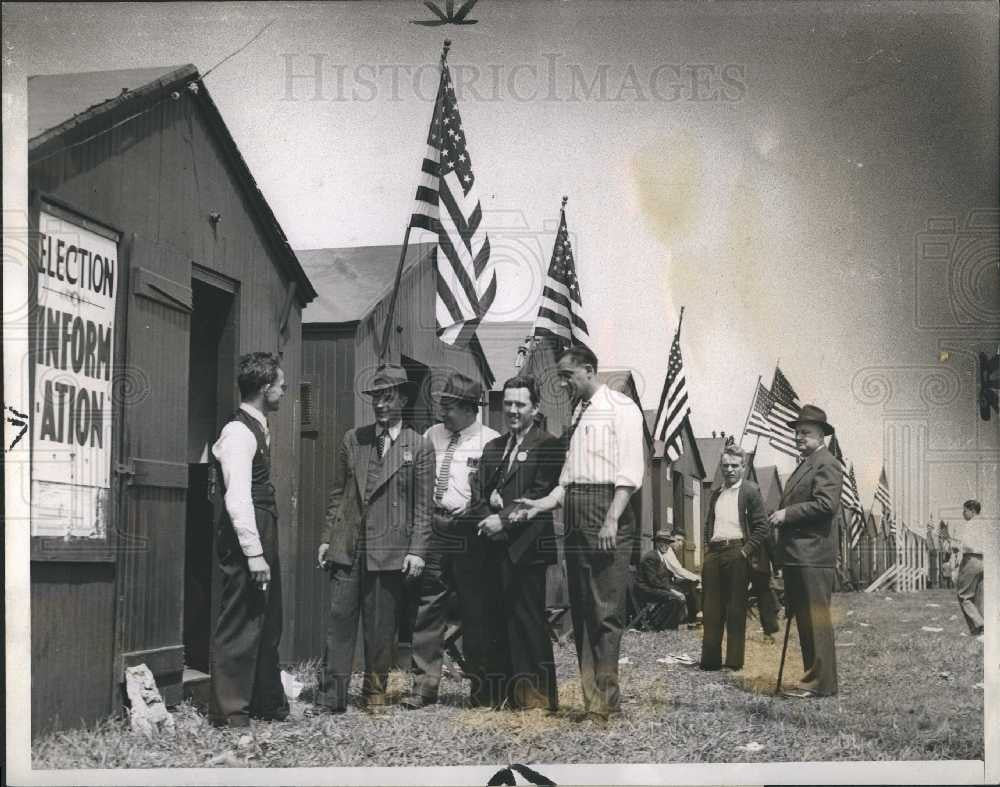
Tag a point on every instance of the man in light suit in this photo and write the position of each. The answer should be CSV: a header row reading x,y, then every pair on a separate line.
x,y
735,530
807,549
524,462
378,524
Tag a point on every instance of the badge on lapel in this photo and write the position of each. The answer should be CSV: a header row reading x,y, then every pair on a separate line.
x,y
407,457
522,456
472,461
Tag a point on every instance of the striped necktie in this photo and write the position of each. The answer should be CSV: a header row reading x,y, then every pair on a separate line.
x,y
382,437
442,480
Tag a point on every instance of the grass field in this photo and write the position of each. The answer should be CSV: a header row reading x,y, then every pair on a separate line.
x,y
905,694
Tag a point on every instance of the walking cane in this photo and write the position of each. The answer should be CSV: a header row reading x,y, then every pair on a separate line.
x,y
784,649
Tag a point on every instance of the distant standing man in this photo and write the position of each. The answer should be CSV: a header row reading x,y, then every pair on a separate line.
x,y
604,467
807,549
971,540
378,525
735,529
456,553
524,462
246,677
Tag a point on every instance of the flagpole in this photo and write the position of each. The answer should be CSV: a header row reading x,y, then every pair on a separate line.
x,y
747,421
387,329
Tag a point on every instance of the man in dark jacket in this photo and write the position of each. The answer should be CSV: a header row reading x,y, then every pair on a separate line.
x,y
807,549
378,523
524,462
656,582
735,530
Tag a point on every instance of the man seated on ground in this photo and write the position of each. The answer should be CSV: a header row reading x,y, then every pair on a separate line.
x,y
687,582
655,583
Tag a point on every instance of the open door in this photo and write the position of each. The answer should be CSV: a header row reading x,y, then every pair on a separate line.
x,y
154,470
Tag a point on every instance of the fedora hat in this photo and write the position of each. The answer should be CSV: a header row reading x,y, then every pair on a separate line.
x,y
811,414
460,388
663,535
389,376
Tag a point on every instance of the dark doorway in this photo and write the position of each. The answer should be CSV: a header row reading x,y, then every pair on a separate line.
x,y
211,400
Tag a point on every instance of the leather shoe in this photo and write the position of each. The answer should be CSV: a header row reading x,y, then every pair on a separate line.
x,y
416,702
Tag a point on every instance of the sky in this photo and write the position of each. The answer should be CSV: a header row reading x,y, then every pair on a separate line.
x,y
770,167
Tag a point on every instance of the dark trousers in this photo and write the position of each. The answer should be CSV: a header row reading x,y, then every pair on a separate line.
x,y
597,583
246,674
691,598
970,592
672,610
724,576
808,590
767,602
456,559
520,644
376,597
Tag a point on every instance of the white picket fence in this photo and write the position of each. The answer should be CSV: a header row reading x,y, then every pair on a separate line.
x,y
910,569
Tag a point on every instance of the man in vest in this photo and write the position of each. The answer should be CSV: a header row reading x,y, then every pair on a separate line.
x,y
246,678
456,554
377,529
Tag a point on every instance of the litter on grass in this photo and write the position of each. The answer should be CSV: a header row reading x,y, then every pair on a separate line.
x,y
929,604
945,675
752,746
931,628
624,660
291,686
866,625
979,686
676,658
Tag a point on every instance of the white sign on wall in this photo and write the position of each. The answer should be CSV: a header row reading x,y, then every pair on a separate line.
x,y
77,278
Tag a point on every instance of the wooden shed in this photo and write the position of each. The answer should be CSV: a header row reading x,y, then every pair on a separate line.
x,y
157,263
341,332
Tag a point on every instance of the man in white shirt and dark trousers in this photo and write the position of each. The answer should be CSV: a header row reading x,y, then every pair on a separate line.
x,y
604,466
736,526
971,538
246,677
456,555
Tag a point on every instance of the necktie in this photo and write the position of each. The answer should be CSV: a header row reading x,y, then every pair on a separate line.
x,y
382,437
584,404
441,486
501,473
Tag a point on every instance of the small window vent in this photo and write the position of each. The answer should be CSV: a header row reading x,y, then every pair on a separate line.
x,y
307,403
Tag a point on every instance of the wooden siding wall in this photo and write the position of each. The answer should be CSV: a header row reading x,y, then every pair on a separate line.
x,y
417,339
157,177
328,364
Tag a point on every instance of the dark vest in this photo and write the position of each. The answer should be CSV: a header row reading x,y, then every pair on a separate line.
x,y
261,488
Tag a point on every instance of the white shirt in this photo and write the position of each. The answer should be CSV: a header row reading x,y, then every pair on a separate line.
x,y
675,567
393,433
607,446
727,514
464,462
971,535
517,444
235,449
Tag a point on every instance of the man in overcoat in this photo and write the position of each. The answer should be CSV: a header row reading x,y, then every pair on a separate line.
x,y
807,549
655,582
378,524
524,462
735,530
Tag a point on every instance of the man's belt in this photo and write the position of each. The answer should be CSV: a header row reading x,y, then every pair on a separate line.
x,y
729,542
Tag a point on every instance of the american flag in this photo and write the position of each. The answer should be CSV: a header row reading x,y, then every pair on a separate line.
x,y
849,499
560,314
466,279
785,408
673,408
757,423
884,498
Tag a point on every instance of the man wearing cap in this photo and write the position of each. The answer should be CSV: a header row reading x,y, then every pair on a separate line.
x,y
524,462
807,549
456,554
604,466
735,529
378,524
655,582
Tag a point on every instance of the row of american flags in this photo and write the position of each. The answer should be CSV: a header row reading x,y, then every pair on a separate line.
x,y
447,204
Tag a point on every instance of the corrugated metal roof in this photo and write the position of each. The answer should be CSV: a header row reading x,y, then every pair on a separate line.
x,y
55,98
350,281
